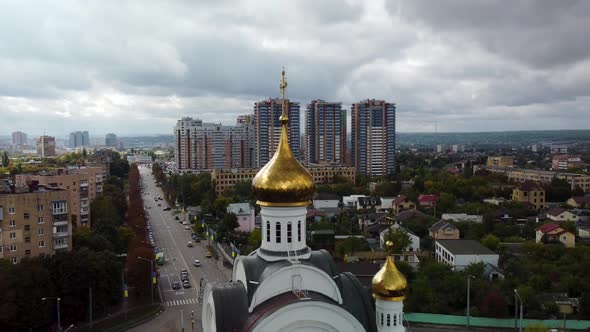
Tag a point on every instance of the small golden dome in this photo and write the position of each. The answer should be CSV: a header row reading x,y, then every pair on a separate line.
x,y
389,284
283,181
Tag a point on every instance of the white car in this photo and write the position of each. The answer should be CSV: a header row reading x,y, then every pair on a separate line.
x,y
197,263
185,222
187,228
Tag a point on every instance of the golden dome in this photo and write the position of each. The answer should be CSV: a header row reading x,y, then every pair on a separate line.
x,y
283,181
389,284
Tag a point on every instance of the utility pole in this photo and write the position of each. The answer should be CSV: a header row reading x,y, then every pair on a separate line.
x,y
58,310
181,321
469,277
90,305
124,298
521,309
192,320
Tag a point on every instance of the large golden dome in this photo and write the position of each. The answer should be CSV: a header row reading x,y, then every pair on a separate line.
x,y
283,181
389,284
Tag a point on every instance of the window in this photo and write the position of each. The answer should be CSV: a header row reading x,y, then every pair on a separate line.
x,y
41,231
381,318
278,232
394,320
289,240
388,320
40,220
13,260
27,239
268,231
299,231
12,247
27,215
12,235
11,210
41,244
39,207
27,227
12,223
28,252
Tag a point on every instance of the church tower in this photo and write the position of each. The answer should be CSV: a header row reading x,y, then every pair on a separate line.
x,y
389,286
283,189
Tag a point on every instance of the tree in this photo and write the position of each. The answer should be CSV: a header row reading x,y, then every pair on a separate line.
x,y
84,152
400,239
490,241
255,237
351,244
5,159
446,202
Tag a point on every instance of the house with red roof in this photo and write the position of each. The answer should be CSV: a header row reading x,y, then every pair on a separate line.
x,y
427,200
553,232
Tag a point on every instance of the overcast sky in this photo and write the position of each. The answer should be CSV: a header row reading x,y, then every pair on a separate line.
x,y
135,67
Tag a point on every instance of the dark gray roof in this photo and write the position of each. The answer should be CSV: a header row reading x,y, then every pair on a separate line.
x,y
407,214
465,247
440,224
326,197
231,305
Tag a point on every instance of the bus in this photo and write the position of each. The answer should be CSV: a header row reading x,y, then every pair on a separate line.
x,y
160,258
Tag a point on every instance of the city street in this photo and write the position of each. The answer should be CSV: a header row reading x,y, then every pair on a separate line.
x,y
171,238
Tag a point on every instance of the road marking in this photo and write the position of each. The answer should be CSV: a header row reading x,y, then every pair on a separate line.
x,y
173,303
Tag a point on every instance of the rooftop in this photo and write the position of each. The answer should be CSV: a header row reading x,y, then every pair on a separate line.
x,y
465,247
529,185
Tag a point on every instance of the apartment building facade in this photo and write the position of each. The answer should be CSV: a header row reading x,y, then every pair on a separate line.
x,y
373,137
268,128
325,133
200,146
226,179
521,175
79,138
34,221
82,185
19,138
500,161
46,146
563,162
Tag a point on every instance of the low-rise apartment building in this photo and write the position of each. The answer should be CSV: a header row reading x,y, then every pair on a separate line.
x,y
563,162
461,253
226,179
501,161
521,175
531,193
34,221
83,184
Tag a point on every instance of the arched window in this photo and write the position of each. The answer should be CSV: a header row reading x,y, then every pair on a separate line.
x,y
267,231
388,320
381,319
394,320
278,232
289,239
299,231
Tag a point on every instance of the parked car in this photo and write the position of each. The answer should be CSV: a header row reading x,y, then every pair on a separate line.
x,y
189,244
197,263
186,284
166,208
208,254
176,218
187,228
176,285
197,240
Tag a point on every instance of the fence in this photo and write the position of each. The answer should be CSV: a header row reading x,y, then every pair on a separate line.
x,y
493,322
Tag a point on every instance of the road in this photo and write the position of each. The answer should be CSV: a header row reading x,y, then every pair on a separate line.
x,y
171,238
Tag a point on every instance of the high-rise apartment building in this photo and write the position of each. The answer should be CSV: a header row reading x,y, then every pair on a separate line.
x,y
19,138
200,146
79,138
46,146
111,140
373,137
82,185
325,133
268,128
33,221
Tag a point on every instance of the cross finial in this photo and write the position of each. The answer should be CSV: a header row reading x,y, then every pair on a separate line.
x,y
284,118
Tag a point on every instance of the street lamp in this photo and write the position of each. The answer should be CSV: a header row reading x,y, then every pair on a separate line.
x,y
58,313
469,277
151,271
521,305
181,321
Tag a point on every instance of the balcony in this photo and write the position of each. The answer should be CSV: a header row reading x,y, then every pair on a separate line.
x,y
60,234
60,246
60,223
84,184
98,188
84,211
84,203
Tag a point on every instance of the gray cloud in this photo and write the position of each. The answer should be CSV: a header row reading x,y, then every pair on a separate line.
x,y
136,66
